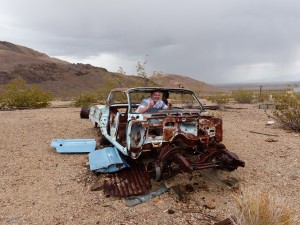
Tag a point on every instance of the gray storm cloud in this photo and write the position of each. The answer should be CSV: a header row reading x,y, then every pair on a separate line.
x,y
214,41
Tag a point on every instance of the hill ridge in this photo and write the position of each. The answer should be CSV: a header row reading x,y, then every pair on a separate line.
x,y
65,79
173,80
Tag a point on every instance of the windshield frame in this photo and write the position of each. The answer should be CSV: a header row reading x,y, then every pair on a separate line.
x,y
162,90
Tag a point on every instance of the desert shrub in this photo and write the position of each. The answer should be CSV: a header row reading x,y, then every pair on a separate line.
x,y
261,208
22,95
85,99
243,96
219,99
288,110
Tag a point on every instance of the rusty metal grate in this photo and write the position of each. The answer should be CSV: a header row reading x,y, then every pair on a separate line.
x,y
131,181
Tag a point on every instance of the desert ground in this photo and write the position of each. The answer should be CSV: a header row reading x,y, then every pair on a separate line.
x,y
40,186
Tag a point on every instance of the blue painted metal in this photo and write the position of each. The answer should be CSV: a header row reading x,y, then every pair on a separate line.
x,y
106,160
74,145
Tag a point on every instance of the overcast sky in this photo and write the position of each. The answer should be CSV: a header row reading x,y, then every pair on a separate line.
x,y
215,41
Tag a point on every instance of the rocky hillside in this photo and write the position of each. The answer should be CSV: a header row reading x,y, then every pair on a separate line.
x,y
61,78
12,55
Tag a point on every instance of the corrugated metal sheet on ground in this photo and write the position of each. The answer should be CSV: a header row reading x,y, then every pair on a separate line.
x,y
128,182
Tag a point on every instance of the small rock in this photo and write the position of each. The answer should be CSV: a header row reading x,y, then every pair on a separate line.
x,y
171,211
189,188
210,205
271,140
293,177
270,122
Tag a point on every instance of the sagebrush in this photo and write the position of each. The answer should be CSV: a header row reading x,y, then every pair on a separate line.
x,y
243,96
288,110
220,99
85,99
19,94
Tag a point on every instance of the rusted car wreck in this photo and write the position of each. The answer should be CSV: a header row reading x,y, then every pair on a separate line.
x,y
162,144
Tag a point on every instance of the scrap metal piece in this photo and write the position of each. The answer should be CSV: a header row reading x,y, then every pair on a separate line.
x,y
106,160
133,201
211,107
74,145
128,182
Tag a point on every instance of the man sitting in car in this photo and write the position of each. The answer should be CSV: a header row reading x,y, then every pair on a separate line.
x,y
153,103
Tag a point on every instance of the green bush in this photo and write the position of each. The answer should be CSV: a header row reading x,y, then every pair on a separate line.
x,y
85,99
219,99
288,110
243,96
22,95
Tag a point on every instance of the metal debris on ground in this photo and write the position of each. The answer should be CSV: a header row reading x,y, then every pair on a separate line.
x,y
255,132
211,107
132,201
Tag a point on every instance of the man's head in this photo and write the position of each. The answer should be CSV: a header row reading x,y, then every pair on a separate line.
x,y
155,96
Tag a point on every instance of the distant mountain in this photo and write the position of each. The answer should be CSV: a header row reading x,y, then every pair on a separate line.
x,y
264,85
172,80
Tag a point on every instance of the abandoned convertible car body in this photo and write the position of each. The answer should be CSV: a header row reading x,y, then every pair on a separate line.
x,y
181,139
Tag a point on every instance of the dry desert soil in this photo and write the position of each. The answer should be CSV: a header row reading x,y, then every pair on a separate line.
x,y
40,186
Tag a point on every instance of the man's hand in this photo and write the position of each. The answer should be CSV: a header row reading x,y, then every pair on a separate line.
x,y
146,108
152,103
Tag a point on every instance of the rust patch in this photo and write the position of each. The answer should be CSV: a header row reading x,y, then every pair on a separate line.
x,y
168,133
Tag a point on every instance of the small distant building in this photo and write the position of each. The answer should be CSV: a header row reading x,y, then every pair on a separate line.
x,y
297,89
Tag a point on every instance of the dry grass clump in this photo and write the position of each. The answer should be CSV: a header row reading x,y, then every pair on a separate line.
x,y
262,208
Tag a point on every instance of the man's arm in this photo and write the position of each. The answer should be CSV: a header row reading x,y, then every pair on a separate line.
x,y
169,106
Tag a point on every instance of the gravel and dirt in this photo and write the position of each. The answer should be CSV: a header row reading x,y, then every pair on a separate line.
x,y
40,186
